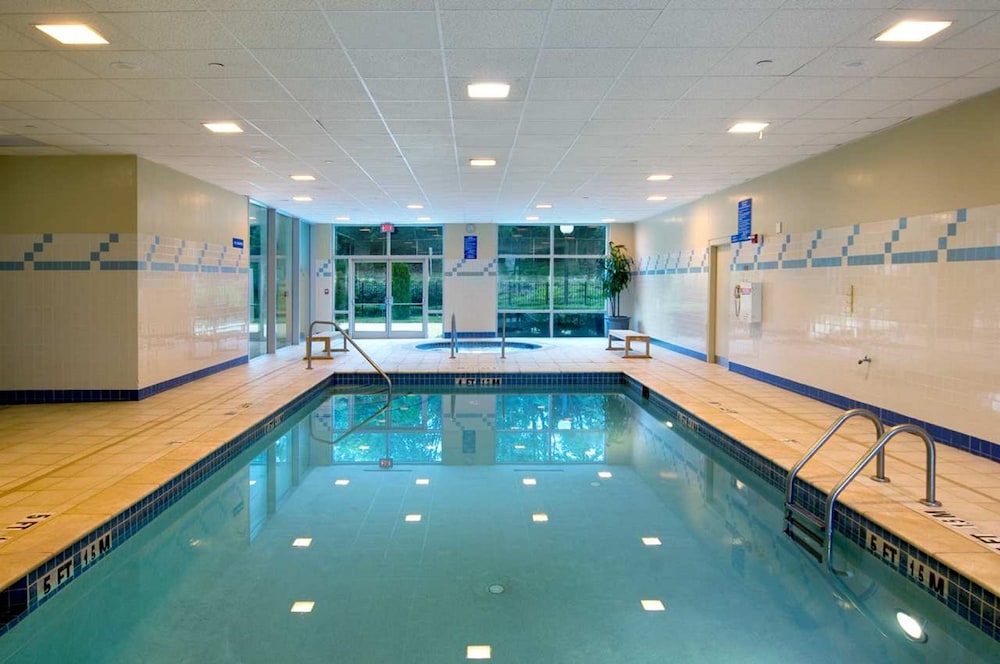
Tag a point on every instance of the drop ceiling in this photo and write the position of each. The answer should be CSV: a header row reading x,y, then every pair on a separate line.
x,y
369,96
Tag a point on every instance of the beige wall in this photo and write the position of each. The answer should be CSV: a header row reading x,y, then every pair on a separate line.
x,y
94,194
943,161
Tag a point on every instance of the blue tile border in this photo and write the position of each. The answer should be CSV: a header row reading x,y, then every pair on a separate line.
x,y
11,397
978,606
949,437
698,355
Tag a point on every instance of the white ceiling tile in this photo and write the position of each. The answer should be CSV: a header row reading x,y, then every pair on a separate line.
x,y
582,62
395,29
32,65
201,111
856,62
869,125
674,61
730,87
414,110
397,63
52,110
704,108
812,125
599,29
11,90
810,87
425,128
175,30
340,110
486,111
325,89
483,29
764,61
946,62
913,108
554,110
505,64
893,89
159,89
551,127
407,89
554,89
985,34
631,110
121,110
847,108
809,27
244,89
270,110
284,128
651,87
719,27
279,29
196,63
962,88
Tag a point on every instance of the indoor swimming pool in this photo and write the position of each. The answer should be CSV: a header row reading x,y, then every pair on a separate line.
x,y
444,526
493,347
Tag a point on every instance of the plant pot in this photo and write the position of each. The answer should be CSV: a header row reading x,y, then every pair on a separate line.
x,y
616,323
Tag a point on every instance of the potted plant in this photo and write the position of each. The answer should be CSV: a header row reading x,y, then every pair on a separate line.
x,y
615,277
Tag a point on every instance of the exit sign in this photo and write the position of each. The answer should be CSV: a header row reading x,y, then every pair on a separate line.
x,y
388,228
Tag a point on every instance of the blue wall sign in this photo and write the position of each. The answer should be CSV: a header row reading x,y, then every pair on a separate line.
x,y
743,215
237,243
471,246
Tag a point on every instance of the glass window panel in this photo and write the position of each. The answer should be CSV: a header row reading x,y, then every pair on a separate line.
x,y
415,447
258,275
360,448
416,241
340,301
581,241
578,446
577,284
359,241
527,325
522,447
435,287
585,412
530,240
284,271
523,283
578,325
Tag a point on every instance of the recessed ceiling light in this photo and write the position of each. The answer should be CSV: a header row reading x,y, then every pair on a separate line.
x,y
303,607
656,197
488,90
223,127
302,199
342,482
604,474
651,541
412,518
658,177
482,161
478,652
608,220
912,31
304,178
423,218
75,33
748,127
532,217
422,481
341,218
653,605
302,541
544,206
414,206
540,517
529,481
519,447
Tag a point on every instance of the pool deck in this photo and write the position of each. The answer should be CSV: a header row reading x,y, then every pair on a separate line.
x,y
84,463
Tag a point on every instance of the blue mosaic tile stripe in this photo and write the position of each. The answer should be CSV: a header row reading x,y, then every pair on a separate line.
x,y
470,335
17,600
9,397
583,378
698,355
944,435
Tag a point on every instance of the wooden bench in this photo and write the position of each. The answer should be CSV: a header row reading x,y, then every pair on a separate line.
x,y
628,336
326,338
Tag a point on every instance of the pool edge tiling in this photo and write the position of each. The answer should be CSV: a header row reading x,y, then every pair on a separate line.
x,y
707,397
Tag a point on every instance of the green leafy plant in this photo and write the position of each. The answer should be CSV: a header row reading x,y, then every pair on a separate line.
x,y
616,275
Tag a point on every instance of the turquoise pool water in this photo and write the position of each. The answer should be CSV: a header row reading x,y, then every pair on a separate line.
x,y
513,521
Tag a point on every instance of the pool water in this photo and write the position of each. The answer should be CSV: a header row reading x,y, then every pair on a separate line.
x,y
538,525
477,347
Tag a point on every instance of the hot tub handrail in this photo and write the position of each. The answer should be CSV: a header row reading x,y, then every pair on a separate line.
x,y
347,338
503,337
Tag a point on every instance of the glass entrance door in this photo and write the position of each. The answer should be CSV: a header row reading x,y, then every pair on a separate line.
x,y
389,298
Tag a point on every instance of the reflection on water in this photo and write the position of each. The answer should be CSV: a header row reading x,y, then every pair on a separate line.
x,y
398,565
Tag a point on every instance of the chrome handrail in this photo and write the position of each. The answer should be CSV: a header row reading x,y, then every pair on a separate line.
x,y
454,336
929,500
854,412
503,337
347,338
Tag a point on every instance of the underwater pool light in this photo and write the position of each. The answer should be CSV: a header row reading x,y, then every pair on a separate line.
x,y
912,627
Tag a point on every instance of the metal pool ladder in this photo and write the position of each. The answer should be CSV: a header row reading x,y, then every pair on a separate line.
x,y
807,529
347,339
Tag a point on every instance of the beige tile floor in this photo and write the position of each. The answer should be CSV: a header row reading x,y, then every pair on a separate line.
x,y
84,463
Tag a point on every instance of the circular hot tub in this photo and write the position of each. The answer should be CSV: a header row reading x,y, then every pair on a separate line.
x,y
467,347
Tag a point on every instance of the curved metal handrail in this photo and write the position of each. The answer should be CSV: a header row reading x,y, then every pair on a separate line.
x,y
863,461
848,414
347,338
358,425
